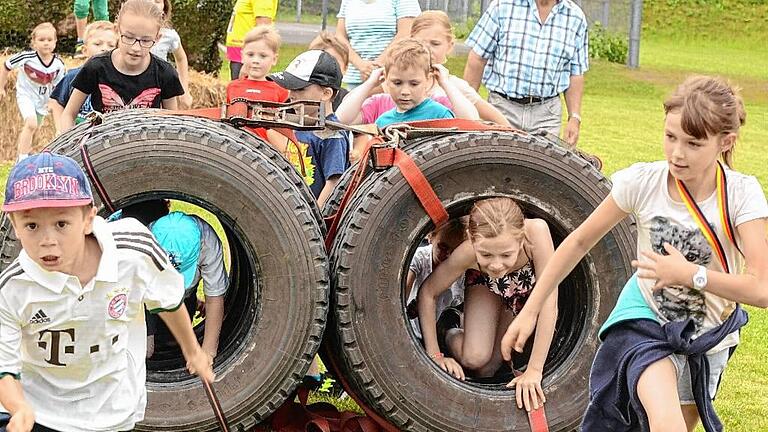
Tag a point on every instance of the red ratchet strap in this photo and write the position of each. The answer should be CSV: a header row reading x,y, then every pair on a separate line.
x,y
462,125
216,405
90,171
394,156
537,418
333,221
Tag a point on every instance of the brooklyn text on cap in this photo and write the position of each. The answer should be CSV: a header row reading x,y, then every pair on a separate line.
x,y
46,180
310,67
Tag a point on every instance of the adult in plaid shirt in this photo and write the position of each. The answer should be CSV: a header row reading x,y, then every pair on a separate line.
x,y
527,52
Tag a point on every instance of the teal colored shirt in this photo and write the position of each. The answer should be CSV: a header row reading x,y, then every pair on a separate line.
x,y
630,305
427,110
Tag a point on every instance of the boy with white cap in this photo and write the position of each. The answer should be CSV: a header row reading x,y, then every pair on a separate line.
x,y
315,76
72,307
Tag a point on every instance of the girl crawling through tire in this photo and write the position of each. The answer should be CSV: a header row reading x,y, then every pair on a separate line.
x,y
500,260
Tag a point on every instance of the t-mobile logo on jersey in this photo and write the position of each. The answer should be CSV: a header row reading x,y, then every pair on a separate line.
x,y
54,340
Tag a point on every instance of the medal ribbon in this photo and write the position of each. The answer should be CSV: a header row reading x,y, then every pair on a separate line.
x,y
701,221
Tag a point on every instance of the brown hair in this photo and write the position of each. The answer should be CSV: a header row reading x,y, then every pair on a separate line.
x,y
454,228
141,8
42,27
97,26
492,217
708,106
408,53
265,32
433,18
326,41
167,12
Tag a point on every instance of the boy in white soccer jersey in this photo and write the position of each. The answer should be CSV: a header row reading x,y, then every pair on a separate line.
x,y
41,70
72,307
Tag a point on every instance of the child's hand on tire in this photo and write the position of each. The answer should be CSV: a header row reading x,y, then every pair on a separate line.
x,y
451,366
528,389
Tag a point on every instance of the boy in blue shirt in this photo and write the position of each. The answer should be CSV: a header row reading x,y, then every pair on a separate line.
x,y
100,36
315,76
407,78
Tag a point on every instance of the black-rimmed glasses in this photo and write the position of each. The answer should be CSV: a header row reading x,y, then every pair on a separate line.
x,y
131,41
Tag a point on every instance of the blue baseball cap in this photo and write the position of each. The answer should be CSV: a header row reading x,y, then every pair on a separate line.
x,y
46,180
180,236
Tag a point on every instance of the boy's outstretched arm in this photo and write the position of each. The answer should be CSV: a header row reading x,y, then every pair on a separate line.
x,y
3,78
12,398
198,362
349,112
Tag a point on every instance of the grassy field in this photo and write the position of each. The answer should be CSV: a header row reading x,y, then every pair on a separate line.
x,y
623,124
623,120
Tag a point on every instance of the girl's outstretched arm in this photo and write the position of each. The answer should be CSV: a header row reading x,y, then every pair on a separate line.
x,y
565,258
462,107
76,100
182,67
750,287
528,386
462,258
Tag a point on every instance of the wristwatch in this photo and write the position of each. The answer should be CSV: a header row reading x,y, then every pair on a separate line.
x,y
700,278
575,116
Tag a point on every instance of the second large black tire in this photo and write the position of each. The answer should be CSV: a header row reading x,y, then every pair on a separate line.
x,y
371,337
277,301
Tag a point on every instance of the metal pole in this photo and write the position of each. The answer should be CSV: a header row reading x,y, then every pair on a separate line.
x,y
298,10
483,6
606,13
325,14
465,11
636,23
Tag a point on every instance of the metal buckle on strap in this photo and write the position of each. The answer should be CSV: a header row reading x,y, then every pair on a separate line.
x,y
383,155
265,114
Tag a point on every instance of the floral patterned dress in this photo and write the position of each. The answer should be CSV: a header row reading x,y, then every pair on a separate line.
x,y
514,288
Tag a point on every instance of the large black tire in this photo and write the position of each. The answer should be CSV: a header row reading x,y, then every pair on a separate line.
x,y
370,337
69,140
278,296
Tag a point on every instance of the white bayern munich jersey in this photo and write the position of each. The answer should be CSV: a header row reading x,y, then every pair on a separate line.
x,y
79,351
36,77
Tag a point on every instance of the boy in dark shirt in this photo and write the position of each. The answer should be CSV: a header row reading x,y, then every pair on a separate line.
x,y
315,75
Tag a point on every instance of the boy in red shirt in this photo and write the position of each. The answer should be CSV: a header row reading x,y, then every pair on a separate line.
x,y
260,48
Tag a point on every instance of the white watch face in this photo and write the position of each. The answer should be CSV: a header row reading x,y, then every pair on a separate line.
x,y
699,280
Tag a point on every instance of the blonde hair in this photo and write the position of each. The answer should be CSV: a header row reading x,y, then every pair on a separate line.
x,y
326,41
141,8
708,106
492,217
408,53
433,18
266,33
98,26
42,27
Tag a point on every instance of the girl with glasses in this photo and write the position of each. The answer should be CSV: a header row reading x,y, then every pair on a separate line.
x,y
128,76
